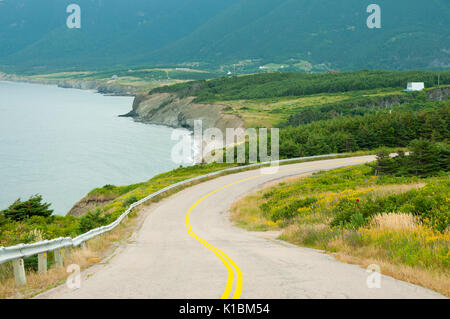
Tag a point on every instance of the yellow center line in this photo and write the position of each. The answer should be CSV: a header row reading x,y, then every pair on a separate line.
x,y
227,261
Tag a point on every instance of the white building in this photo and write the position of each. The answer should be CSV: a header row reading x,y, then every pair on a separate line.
x,y
415,86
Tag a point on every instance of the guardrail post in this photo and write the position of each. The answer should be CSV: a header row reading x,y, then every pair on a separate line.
x,y
19,272
58,258
42,263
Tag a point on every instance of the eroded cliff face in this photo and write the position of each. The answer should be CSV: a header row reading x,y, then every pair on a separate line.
x,y
102,87
88,203
171,110
439,94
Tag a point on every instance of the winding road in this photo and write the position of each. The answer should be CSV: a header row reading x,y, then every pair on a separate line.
x,y
188,248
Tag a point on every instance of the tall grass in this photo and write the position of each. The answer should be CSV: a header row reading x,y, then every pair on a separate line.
x,y
398,222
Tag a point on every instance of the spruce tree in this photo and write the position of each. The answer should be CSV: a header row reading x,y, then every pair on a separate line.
x,y
425,158
385,164
32,207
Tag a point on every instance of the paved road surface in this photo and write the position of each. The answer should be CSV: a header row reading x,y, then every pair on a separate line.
x,y
187,248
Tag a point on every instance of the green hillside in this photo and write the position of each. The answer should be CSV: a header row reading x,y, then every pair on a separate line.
x,y
414,34
242,36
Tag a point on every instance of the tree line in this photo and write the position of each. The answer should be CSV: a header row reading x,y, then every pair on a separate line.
x,y
425,159
272,85
371,131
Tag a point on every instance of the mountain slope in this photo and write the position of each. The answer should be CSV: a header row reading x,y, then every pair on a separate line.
x,y
112,32
414,33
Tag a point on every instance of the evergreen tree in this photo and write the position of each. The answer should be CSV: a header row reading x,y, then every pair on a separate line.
x,y
33,207
424,159
385,164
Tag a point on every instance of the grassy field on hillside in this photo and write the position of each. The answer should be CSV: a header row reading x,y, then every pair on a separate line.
x,y
276,111
399,223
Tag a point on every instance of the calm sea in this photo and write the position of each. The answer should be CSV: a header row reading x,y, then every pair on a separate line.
x,y
61,143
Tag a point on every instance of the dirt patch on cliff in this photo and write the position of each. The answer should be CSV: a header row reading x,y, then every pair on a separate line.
x,y
89,203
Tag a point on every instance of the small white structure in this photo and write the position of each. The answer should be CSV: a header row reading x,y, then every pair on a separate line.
x,y
114,77
415,86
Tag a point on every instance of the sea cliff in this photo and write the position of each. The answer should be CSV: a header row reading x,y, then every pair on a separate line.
x,y
180,112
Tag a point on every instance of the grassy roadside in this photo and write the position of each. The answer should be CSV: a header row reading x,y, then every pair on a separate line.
x,y
399,223
95,251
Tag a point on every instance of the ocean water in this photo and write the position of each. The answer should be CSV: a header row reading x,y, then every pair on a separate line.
x,y
62,143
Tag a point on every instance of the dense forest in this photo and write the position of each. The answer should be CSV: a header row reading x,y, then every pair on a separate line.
x,y
352,133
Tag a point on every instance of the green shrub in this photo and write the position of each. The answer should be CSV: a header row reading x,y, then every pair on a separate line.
x,y
92,220
357,220
288,210
130,200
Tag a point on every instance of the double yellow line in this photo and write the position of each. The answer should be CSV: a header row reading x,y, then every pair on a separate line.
x,y
227,261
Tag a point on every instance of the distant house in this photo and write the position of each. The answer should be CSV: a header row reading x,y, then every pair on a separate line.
x,y
114,77
334,71
415,86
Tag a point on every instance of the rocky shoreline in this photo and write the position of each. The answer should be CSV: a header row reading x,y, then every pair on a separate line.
x,y
171,110
102,87
160,109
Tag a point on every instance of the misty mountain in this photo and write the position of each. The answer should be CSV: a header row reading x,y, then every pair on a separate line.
x,y
413,34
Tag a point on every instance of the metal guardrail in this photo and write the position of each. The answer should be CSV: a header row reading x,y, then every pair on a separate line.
x,y
22,251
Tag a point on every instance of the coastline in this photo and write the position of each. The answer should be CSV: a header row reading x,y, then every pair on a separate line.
x,y
109,88
102,113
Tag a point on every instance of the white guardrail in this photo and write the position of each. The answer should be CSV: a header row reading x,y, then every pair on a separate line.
x,y
22,251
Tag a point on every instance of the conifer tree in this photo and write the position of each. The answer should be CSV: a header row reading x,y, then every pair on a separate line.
x,y
32,207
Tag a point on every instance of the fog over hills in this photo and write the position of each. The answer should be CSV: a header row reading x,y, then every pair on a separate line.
x,y
301,33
